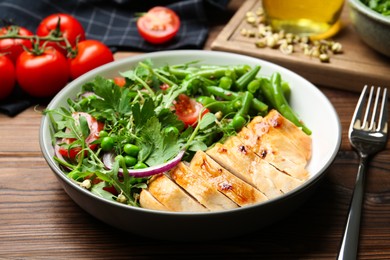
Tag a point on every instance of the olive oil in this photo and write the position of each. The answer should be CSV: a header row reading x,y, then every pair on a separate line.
x,y
304,17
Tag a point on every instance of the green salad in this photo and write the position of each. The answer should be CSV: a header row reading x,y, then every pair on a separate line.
x,y
380,6
119,132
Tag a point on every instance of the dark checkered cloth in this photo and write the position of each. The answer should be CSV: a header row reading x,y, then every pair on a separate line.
x,y
114,23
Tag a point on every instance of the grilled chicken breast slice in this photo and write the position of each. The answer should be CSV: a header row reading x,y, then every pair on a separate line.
x,y
147,201
275,148
172,196
227,183
275,124
200,189
244,163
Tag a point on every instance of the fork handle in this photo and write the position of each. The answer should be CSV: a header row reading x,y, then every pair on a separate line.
x,y
349,244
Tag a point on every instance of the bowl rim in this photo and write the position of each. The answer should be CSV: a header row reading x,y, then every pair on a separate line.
x,y
79,81
357,4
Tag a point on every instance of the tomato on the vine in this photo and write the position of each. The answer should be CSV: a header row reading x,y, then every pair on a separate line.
x,y
94,128
69,27
42,75
7,76
188,110
89,55
14,47
158,25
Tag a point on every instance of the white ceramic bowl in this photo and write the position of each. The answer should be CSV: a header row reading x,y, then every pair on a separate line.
x,y
313,107
372,27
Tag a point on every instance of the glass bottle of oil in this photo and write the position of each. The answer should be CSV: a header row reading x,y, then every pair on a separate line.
x,y
304,17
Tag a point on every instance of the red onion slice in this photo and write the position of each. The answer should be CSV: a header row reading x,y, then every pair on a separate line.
x,y
108,159
59,155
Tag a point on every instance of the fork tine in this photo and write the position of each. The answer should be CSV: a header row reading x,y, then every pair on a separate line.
x,y
374,109
368,108
357,115
382,125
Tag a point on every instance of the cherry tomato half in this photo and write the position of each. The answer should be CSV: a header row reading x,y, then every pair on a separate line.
x,y
188,110
70,28
89,55
42,75
7,76
14,47
120,81
158,25
94,126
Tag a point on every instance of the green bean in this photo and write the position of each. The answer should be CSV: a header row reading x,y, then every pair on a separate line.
x,y
286,90
225,82
256,104
237,121
254,85
211,73
179,73
274,94
222,93
259,106
226,107
243,81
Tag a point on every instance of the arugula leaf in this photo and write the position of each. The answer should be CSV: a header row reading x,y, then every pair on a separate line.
x,y
84,127
97,189
207,120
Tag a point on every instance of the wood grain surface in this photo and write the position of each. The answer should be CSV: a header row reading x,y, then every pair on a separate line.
x,y
357,65
39,221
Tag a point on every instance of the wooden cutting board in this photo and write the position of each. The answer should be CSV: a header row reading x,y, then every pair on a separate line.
x,y
356,66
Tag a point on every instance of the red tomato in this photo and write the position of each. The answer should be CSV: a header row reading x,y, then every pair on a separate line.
x,y
158,25
89,55
7,76
94,126
14,47
188,110
70,28
42,75
120,81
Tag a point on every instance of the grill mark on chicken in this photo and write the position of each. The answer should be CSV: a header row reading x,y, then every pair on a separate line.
x,y
200,189
252,169
147,200
227,183
172,196
273,145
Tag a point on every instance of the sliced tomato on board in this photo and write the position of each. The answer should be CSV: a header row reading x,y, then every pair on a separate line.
x,y
94,127
158,25
188,110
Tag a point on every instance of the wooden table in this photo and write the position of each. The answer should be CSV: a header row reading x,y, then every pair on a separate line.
x,y
38,220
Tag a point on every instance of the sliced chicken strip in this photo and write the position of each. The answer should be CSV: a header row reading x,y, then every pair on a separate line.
x,y
233,187
273,140
274,151
147,201
172,196
200,189
241,161
274,125
301,140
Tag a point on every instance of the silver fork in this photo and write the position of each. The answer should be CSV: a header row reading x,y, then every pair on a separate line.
x,y
368,135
